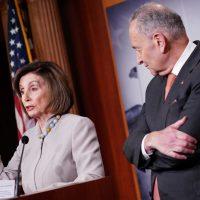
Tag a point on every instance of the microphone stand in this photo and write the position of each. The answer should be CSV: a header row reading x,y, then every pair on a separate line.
x,y
25,140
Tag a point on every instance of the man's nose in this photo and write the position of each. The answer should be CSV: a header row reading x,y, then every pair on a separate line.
x,y
139,59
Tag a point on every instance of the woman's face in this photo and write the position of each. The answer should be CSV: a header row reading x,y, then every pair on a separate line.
x,y
34,95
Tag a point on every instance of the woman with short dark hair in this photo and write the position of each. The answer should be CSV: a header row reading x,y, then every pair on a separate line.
x,y
63,148
60,96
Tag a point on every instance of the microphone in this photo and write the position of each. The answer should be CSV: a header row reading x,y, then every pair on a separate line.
x,y
24,140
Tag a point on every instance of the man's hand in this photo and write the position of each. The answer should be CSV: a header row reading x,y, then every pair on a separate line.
x,y
171,142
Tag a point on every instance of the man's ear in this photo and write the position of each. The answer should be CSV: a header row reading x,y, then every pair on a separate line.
x,y
160,41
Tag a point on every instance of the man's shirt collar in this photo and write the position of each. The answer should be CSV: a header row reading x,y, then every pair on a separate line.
x,y
184,56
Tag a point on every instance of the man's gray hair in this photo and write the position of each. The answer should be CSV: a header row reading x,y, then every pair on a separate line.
x,y
151,17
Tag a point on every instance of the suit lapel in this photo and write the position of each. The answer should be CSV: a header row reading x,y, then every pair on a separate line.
x,y
187,68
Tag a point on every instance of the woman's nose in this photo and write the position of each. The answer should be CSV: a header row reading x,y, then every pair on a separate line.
x,y
25,97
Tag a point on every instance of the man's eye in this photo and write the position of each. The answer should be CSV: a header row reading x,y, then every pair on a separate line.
x,y
138,50
21,92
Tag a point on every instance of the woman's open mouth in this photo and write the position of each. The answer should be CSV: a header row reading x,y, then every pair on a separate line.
x,y
29,108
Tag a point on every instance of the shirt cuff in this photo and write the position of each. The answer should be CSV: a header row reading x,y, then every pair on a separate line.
x,y
144,153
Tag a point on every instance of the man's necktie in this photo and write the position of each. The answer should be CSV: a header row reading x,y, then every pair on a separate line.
x,y
156,195
170,80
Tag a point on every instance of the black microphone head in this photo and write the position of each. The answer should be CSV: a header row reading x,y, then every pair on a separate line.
x,y
25,139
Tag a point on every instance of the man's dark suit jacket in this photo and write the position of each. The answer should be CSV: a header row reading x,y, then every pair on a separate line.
x,y
177,179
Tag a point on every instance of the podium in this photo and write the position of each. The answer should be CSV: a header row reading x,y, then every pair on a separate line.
x,y
92,190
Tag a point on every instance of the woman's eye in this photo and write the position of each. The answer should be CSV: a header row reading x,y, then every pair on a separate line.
x,y
34,88
21,92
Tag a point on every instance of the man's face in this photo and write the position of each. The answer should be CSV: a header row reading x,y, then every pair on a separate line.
x,y
148,52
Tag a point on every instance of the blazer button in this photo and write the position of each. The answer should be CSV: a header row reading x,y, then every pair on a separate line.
x,y
182,82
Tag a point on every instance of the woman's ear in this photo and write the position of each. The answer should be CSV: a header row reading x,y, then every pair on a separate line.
x,y
160,41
